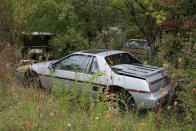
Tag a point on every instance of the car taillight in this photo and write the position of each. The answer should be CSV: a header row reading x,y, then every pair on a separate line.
x,y
138,91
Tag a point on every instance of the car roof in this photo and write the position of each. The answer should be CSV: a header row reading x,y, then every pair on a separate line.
x,y
100,52
137,40
95,51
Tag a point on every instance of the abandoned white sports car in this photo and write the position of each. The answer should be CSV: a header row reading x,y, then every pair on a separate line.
x,y
118,72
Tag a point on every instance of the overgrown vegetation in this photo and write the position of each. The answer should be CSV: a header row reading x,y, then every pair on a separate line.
x,y
168,25
35,109
32,109
68,43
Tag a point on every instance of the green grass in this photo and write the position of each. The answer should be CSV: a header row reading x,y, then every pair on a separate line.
x,y
32,109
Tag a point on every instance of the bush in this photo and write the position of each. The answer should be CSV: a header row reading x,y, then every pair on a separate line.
x,y
68,43
179,52
110,39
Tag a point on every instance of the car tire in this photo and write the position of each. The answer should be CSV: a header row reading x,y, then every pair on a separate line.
x,y
125,101
120,99
31,80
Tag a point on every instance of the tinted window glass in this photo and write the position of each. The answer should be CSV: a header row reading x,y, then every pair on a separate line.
x,y
122,58
78,62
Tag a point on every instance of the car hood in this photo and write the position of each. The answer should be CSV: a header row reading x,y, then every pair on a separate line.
x,y
147,72
44,63
38,67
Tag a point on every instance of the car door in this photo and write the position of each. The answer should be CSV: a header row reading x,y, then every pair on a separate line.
x,y
93,78
68,71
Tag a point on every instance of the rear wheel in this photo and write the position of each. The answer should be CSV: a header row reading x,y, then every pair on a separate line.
x,y
120,98
31,80
125,101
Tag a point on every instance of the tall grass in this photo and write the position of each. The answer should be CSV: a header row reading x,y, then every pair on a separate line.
x,y
33,109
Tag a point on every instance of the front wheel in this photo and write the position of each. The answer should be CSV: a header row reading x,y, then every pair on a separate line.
x,y
31,80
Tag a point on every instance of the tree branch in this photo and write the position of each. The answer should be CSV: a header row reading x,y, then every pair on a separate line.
x,y
141,5
132,12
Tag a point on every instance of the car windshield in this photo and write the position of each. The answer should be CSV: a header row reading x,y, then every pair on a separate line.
x,y
137,44
121,58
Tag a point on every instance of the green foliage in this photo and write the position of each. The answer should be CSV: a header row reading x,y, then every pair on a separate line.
x,y
93,16
178,50
113,38
43,16
68,43
131,31
171,48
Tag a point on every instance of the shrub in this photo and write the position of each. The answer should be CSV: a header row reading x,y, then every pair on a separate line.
x,y
110,39
68,43
179,52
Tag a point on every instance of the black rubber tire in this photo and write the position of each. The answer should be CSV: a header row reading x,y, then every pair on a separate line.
x,y
31,80
119,98
125,101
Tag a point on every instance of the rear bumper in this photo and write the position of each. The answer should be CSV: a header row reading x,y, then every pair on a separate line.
x,y
144,100
153,101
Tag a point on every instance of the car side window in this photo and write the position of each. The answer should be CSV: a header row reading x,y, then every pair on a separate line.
x,y
122,58
94,67
74,63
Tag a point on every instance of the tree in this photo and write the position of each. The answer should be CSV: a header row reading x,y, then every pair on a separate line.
x,y
146,16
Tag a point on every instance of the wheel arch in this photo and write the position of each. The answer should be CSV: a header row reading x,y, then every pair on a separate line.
x,y
31,73
116,88
29,70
